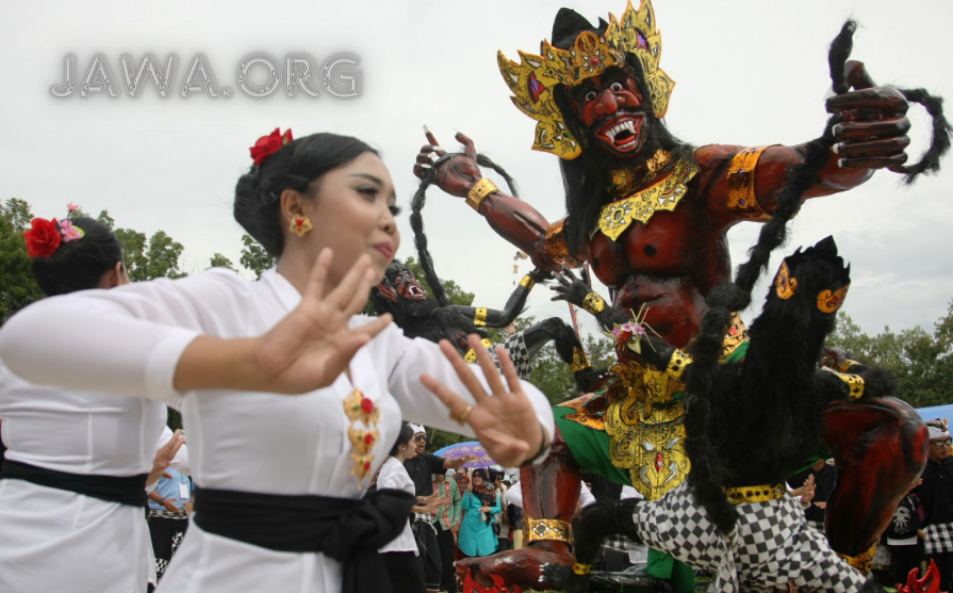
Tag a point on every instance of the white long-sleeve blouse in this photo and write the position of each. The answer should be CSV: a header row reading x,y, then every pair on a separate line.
x,y
128,342
53,540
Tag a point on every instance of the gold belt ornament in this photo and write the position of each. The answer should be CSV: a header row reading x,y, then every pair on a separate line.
x,y
547,529
749,494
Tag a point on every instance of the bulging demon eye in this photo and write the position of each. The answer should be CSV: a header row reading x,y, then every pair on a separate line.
x,y
616,86
590,96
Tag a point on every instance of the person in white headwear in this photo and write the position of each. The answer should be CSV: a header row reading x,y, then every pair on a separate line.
x,y
936,494
422,467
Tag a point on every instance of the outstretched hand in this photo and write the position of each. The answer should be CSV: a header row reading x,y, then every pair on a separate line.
x,y
504,420
874,133
313,344
456,175
570,288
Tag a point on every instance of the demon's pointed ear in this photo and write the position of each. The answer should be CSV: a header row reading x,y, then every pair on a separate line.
x,y
387,291
826,247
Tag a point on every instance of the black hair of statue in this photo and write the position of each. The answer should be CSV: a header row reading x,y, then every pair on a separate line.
x,y
79,264
295,165
584,176
940,137
710,468
405,436
421,242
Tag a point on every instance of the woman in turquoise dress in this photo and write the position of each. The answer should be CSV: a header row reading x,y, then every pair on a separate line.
x,y
479,505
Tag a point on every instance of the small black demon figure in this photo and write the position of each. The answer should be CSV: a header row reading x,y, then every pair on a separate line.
x,y
420,317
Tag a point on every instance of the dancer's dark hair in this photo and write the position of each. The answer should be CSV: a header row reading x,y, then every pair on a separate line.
x,y
79,264
405,435
295,165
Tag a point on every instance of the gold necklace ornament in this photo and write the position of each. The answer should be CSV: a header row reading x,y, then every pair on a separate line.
x,y
361,409
642,205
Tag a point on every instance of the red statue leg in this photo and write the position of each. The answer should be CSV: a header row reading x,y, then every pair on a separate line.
x,y
550,493
880,449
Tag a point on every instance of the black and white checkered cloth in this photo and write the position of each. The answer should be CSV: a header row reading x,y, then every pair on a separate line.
x,y
164,514
770,547
939,538
516,347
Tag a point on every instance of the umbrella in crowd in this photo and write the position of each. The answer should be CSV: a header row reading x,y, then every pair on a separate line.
x,y
463,449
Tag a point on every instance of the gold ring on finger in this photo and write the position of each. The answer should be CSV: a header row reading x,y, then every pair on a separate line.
x,y
463,415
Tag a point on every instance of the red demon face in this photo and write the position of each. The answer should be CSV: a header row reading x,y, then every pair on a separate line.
x,y
400,283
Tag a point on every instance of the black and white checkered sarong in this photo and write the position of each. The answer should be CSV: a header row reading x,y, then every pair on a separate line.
x,y
516,347
770,547
939,538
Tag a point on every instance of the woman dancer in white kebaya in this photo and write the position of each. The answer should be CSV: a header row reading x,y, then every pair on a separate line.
x,y
72,500
280,478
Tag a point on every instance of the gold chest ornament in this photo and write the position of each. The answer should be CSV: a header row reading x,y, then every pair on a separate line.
x,y
642,205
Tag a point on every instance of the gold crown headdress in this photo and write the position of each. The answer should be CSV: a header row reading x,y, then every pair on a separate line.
x,y
533,81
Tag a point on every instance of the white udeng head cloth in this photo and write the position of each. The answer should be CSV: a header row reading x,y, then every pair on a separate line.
x,y
418,428
937,433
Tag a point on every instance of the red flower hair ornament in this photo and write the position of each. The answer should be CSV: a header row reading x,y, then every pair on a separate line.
x,y
43,238
269,145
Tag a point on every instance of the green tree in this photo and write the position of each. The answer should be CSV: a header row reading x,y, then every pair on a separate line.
x,y
220,261
17,286
455,294
920,360
106,219
254,257
145,260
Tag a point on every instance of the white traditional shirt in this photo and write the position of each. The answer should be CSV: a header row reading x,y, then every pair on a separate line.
x,y
57,540
129,340
394,476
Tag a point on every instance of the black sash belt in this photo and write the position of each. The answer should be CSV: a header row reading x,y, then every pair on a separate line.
x,y
127,490
350,531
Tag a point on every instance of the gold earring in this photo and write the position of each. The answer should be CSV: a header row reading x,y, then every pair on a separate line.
x,y
300,225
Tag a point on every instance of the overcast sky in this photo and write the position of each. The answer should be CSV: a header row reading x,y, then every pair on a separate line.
x,y
748,72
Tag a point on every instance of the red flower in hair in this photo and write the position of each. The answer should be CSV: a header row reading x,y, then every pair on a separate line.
x,y
43,238
269,145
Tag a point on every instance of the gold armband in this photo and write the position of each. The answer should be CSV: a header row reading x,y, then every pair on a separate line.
x,y
863,561
854,382
678,363
479,192
847,364
579,360
741,195
749,494
593,303
547,529
479,319
556,249
470,356
581,569
528,282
